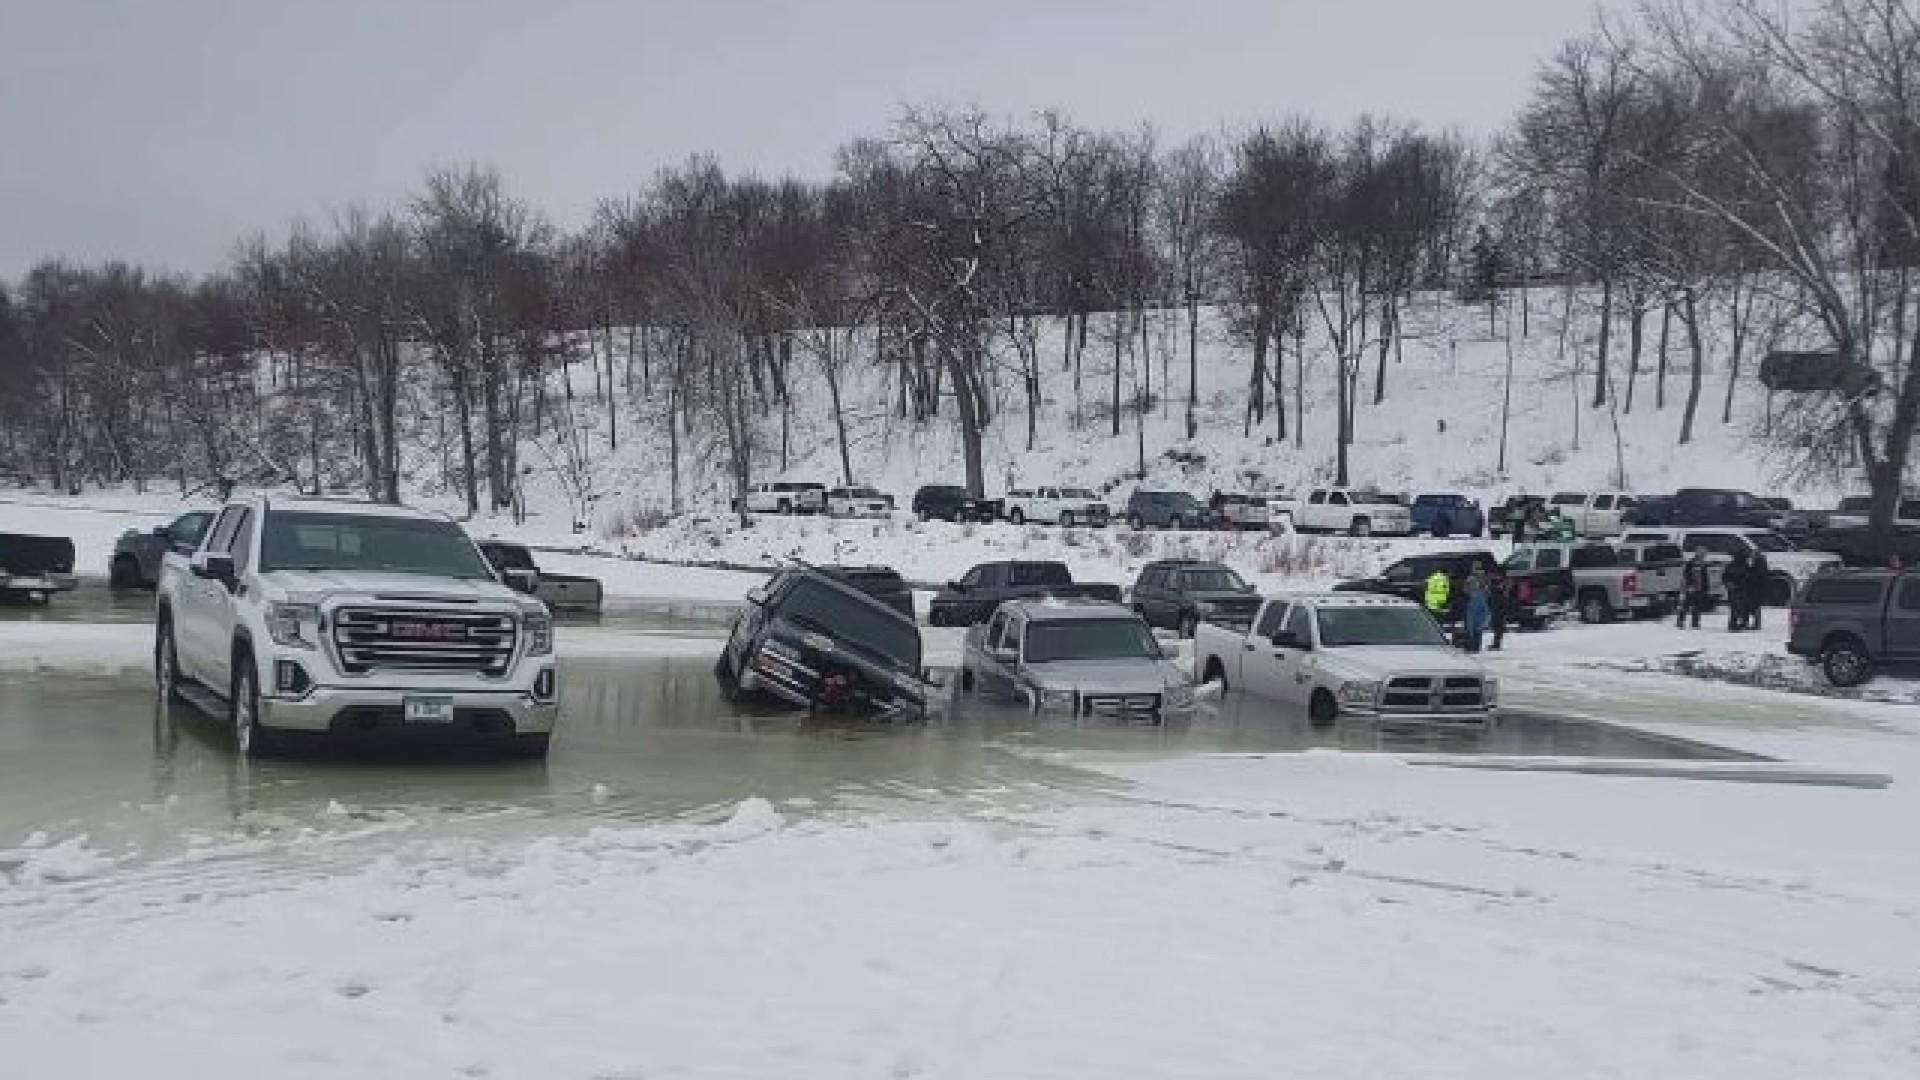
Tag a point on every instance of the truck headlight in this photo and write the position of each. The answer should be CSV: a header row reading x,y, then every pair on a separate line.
x,y
539,629
1053,699
288,624
1359,693
1180,696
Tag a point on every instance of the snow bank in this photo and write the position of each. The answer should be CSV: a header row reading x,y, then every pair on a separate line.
x,y
1317,915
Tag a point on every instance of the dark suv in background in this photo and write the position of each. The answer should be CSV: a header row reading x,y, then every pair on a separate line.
x,y
951,502
1445,515
1180,594
1166,510
137,554
972,599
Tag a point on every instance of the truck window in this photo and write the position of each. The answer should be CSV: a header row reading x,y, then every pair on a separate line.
x,y
1910,595
1716,542
1626,501
1299,623
1853,592
1040,574
1569,498
1587,558
240,544
222,529
1318,498
1270,620
1338,498
1547,559
1400,571
187,529
1603,502
1009,636
994,626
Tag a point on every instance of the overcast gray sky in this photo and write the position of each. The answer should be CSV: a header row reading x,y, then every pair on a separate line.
x,y
163,130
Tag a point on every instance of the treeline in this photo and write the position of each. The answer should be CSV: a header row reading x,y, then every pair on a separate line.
x,y
1706,165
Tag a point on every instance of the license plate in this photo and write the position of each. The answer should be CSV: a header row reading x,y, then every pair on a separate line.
x,y
429,710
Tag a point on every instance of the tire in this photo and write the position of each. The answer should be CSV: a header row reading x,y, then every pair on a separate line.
x,y
1188,625
1015,516
530,746
250,740
966,680
1360,527
1135,523
125,573
784,507
724,675
166,663
1779,592
1322,709
1066,519
1594,607
1845,661
1216,673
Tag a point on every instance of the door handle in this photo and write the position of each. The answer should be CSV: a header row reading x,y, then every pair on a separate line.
x,y
1248,646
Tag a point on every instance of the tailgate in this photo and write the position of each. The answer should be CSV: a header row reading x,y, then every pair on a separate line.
x,y
29,555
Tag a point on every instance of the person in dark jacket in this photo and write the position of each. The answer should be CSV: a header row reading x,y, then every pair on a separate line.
x,y
1695,590
1500,595
1736,580
1759,576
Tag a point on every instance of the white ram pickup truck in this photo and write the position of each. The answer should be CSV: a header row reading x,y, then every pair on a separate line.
x,y
1348,653
348,618
1354,511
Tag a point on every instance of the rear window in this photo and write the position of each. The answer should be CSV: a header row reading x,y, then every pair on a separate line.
x,y
1588,557
1041,574
1842,591
1569,498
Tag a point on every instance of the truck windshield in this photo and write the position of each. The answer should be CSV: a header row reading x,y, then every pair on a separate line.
x,y
296,540
1089,639
1075,493
1771,542
1340,627
854,622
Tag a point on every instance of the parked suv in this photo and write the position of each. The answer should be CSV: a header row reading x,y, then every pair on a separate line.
x,y
1063,506
811,639
1165,510
1446,514
1853,620
340,617
1180,594
951,502
137,554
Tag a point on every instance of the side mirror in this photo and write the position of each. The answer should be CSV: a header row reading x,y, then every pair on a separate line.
x,y
757,596
957,586
214,567
522,581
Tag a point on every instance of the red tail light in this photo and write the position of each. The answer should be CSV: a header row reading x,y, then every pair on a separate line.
x,y
1796,616
1630,583
1524,592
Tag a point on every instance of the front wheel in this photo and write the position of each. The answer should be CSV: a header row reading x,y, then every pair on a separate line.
x,y
1066,519
1846,663
1323,710
166,664
1135,522
1595,609
530,745
125,573
1016,516
1360,527
243,710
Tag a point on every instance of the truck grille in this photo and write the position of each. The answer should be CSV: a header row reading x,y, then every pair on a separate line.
x,y
1430,694
1119,704
396,639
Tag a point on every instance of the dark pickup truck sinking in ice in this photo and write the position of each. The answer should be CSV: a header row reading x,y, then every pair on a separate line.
x,y
974,597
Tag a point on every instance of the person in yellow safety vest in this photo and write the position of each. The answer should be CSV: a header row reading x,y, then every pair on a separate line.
x,y
1439,593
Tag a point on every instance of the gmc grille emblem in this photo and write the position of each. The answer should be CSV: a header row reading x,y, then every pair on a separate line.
x,y
418,631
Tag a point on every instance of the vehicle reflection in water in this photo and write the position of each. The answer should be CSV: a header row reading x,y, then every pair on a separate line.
x,y
641,740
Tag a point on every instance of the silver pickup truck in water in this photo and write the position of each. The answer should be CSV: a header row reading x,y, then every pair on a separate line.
x,y
1079,658
350,618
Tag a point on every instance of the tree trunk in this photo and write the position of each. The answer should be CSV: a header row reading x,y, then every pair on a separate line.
x,y
1299,382
1193,365
1739,315
1279,387
1119,339
1660,376
1257,387
1389,329
1606,339
970,424
1691,316
1636,333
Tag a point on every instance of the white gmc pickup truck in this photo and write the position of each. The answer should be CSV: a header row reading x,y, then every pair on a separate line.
x,y
1352,653
350,618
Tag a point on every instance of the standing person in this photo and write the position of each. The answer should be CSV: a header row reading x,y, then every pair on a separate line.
x,y
1695,589
1479,613
1758,578
1735,577
1501,597
1439,594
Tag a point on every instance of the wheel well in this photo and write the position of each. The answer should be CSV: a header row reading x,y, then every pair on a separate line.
x,y
1842,637
1214,670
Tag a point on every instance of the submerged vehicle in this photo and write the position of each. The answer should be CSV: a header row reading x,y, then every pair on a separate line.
x,y
811,639
1076,657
